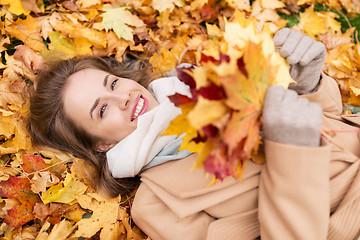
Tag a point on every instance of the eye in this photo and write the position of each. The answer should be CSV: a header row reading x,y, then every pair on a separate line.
x,y
102,110
113,83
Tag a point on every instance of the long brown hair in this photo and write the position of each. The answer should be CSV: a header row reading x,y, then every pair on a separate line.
x,y
49,126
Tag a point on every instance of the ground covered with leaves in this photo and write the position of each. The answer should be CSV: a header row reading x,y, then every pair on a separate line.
x,y
44,193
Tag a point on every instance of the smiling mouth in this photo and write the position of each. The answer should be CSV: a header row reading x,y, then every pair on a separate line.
x,y
138,109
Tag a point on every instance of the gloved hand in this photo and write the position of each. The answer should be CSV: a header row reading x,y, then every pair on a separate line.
x,y
306,57
289,119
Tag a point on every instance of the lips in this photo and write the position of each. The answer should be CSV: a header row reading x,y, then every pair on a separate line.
x,y
139,107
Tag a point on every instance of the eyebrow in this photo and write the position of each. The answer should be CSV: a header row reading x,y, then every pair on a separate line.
x,y
97,100
94,106
106,79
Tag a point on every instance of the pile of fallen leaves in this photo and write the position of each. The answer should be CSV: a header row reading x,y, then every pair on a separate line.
x,y
44,194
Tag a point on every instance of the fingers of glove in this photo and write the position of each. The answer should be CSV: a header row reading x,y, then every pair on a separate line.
x,y
316,51
315,114
281,36
300,50
274,95
277,102
290,44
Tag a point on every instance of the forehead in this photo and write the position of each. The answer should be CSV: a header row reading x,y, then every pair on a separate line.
x,y
88,74
81,90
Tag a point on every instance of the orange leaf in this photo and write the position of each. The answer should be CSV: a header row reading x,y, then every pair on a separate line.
x,y
19,188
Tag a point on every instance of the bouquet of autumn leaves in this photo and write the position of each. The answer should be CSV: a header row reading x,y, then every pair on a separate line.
x,y
222,119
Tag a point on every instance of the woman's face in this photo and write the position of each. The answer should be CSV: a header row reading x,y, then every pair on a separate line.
x,y
104,105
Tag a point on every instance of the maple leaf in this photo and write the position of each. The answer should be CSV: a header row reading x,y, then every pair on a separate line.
x,y
60,46
28,32
79,32
64,192
119,19
33,163
105,216
15,6
19,188
31,59
162,5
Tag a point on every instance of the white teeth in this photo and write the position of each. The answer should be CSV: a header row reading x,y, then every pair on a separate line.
x,y
139,107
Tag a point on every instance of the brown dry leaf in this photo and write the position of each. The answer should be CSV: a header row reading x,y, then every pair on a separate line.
x,y
32,60
333,40
27,233
43,179
41,211
6,172
30,5
71,5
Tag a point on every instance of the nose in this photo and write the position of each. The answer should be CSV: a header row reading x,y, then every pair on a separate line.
x,y
123,100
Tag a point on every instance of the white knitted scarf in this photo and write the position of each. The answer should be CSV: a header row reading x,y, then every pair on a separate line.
x,y
139,150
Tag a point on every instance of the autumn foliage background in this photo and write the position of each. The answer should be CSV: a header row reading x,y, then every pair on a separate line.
x,y
44,193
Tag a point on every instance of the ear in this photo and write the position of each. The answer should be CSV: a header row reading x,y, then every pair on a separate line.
x,y
104,147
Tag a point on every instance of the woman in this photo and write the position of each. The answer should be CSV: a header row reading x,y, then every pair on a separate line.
x,y
307,189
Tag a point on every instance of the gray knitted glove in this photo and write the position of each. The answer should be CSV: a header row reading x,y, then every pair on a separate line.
x,y
289,119
306,57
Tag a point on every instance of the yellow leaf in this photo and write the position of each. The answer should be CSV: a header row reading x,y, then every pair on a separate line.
x,y
312,22
7,127
79,32
166,60
119,19
205,112
213,30
181,125
112,231
302,2
331,21
242,4
61,230
162,5
27,31
272,4
87,3
60,46
197,4
15,7
203,153
75,215
106,212
64,192
82,46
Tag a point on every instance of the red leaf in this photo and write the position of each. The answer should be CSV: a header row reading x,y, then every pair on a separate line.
x,y
33,163
199,138
19,188
210,131
208,12
215,163
179,99
212,92
239,126
224,57
241,66
185,77
205,59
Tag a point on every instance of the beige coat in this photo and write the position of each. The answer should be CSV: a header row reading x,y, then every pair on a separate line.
x,y
300,193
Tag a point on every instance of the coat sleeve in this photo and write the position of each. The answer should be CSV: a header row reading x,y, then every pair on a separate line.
x,y
157,220
327,95
294,192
